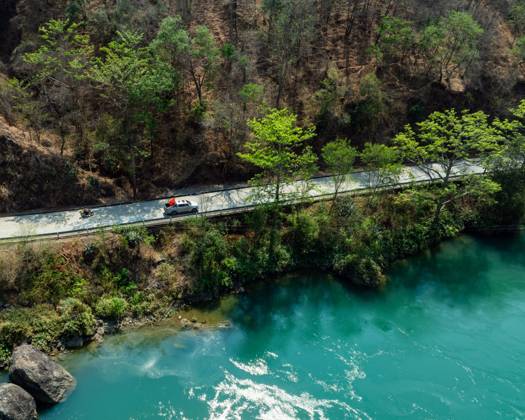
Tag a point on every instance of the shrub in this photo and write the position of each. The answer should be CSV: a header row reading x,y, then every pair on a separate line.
x,y
303,233
5,356
40,325
208,256
111,307
133,237
77,318
51,282
141,304
167,273
11,265
361,271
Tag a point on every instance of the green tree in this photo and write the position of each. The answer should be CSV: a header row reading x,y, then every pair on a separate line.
x,y
291,29
231,112
250,93
329,102
60,65
371,112
382,164
443,147
209,256
197,55
278,148
134,82
396,40
511,156
451,44
507,166
519,49
204,60
339,157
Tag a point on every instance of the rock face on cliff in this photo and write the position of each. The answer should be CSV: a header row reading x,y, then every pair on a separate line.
x,y
16,404
44,379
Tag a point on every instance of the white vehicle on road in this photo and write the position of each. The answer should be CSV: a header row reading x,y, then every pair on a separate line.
x,y
175,207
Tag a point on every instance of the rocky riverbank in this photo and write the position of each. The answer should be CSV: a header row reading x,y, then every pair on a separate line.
x,y
36,381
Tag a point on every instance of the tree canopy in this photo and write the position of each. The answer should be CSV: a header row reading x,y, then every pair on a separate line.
x,y
278,149
441,145
339,157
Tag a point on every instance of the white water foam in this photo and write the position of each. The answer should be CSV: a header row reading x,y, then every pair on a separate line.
x,y
256,368
243,398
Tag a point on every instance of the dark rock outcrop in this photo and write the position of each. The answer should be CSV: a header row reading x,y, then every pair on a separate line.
x,y
44,379
16,403
73,342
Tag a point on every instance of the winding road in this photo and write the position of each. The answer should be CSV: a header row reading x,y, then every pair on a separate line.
x,y
63,224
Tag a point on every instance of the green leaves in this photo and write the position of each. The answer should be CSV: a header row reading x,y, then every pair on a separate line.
x,y
452,43
278,149
197,55
64,50
448,137
441,144
132,74
339,156
517,16
396,39
444,49
383,165
519,49
172,39
251,92
511,155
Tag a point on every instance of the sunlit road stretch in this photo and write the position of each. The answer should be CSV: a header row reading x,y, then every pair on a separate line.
x,y
70,223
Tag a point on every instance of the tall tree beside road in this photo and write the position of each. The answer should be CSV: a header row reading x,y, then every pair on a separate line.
x,y
440,145
133,81
511,157
278,149
383,165
339,157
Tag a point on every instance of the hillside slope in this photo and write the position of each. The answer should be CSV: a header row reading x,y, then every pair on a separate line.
x,y
319,58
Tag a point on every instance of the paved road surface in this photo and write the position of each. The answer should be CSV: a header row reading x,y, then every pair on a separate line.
x,y
69,223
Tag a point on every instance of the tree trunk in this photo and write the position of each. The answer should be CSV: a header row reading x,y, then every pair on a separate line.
x,y
275,222
62,140
134,173
440,205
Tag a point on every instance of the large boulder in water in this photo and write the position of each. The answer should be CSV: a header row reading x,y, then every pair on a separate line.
x,y
44,379
16,403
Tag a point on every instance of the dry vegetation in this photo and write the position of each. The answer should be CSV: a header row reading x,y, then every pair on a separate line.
x,y
315,57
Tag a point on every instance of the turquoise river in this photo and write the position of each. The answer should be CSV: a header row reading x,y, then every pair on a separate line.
x,y
445,340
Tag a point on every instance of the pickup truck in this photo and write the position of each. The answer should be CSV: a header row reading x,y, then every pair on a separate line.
x,y
175,207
